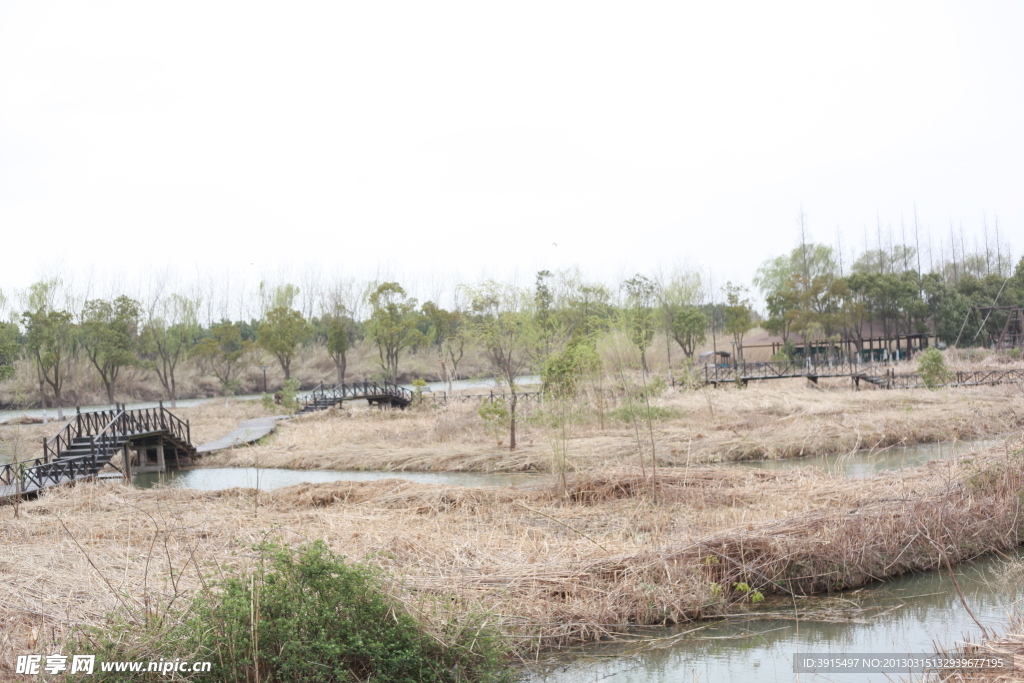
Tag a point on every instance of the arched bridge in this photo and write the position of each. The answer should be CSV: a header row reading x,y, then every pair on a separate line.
x,y
90,441
386,394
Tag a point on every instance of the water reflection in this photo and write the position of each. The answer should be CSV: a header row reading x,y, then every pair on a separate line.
x,y
866,463
908,614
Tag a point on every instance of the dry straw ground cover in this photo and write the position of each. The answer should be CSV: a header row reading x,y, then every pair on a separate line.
x,y
767,420
549,566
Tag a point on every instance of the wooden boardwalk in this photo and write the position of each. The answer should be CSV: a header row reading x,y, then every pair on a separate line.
x,y
877,375
90,441
248,431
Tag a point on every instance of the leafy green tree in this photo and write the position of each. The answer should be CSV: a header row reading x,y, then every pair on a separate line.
x,y
807,261
167,339
109,334
445,335
392,325
340,330
586,309
280,333
505,327
640,317
9,348
9,343
783,310
223,354
689,329
738,320
49,340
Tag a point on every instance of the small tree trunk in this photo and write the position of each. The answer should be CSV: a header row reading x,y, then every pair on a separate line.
x,y
110,391
512,426
42,395
59,402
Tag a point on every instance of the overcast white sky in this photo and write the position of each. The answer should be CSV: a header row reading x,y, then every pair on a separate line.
x,y
469,137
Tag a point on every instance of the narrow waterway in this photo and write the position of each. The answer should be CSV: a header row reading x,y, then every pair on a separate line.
x,y
51,413
911,614
860,464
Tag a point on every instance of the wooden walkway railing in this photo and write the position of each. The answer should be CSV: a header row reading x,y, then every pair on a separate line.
x,y
323,396
87,442
873,373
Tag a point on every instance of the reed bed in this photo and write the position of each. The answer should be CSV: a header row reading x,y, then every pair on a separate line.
x,y
551,566
768,420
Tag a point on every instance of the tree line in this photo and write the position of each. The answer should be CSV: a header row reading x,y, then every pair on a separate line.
x,y
553,326
885,294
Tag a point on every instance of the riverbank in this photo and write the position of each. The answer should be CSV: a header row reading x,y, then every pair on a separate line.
x,y
550,567
769,420
1009,647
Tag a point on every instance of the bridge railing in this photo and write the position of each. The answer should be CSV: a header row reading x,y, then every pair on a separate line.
x,y
778,369
148,420
61,441
11,473
345,392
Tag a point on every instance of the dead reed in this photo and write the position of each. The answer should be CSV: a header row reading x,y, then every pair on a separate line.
x,y
781,420
551,568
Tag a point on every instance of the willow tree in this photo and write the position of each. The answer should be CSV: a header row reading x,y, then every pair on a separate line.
x,y
503,324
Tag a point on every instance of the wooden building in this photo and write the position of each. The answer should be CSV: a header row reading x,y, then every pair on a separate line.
x,y
873,344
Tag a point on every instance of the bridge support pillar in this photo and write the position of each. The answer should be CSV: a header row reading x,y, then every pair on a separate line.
x,y
126,462
160,464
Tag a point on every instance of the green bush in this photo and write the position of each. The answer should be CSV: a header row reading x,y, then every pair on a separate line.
x,y
635,410
931,366
306,616
496,416
288,395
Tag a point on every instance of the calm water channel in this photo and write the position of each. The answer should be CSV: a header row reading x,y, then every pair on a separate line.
x,y
908,614
866,463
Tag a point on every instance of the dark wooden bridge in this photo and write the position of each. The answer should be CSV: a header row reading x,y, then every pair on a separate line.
x,y
746,372
871,373
386,394
90,441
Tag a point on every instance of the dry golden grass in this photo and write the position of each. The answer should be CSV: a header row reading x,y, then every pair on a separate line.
x,y
768,420
211,420
1010,647
551,567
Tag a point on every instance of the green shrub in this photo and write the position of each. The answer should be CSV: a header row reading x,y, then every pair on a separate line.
x,y
496,417
931,366
288,395
306,616
635,410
